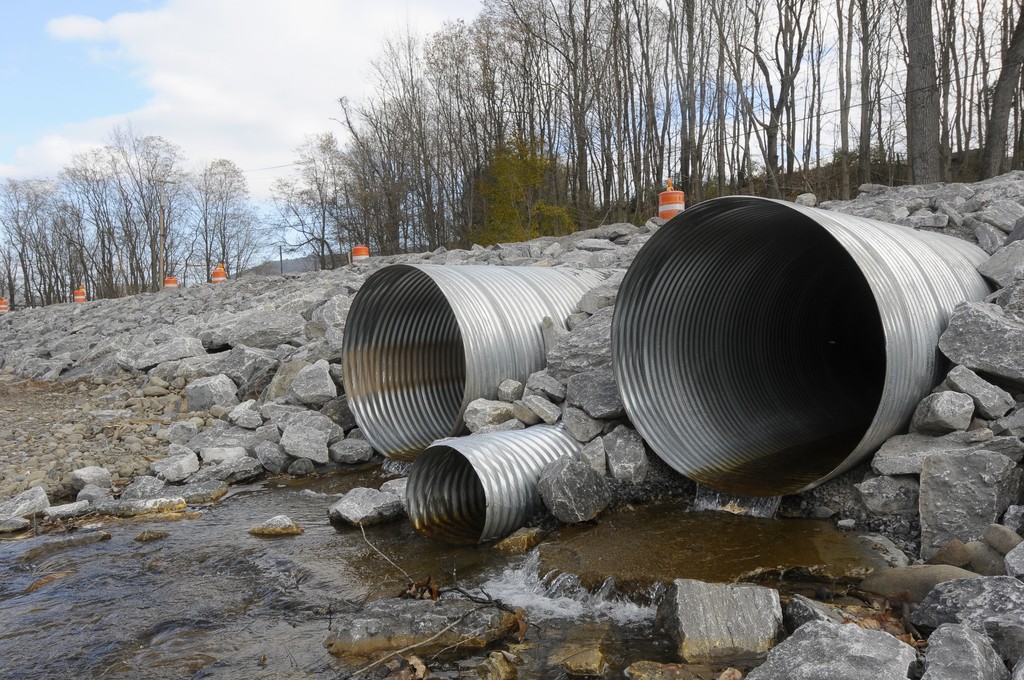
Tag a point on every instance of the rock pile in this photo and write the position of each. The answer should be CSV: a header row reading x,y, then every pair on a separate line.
x,y
243,379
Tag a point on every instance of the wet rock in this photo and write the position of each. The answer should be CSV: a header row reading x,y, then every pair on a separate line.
x,y
886,549
626,456
916,580
94,474
176,467
978,336
800,610
481,412
586,347
147,536
962,493
510,390
572,491
143,487
1001,538
545,410
596,393
449,628
246,415
300,467
653,670
943,412
365,506
521,541
886,495
955,652
215,390
990,402
313,385
67,510
133,507
853,653
972,602
13,524
397,487
587,661
579,425
214,455
710,623
301,441
279,525
208,491
351,451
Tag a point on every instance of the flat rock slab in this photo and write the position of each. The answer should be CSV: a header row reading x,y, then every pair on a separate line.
x,y
821,649
451,628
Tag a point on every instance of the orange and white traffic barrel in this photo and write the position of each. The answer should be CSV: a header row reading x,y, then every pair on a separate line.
x,y
671,202
80,294
3,304
170,282
218,275
360,253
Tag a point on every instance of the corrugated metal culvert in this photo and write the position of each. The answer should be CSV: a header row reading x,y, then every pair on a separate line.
x,y
422,341
484,486
763,347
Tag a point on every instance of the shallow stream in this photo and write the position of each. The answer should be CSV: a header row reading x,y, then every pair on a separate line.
x,y
209,600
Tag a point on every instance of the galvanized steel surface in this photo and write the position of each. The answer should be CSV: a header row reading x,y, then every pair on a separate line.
x,y
484,486
763,347
423,341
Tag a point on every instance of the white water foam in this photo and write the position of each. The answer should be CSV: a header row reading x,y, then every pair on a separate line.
x,y
562,597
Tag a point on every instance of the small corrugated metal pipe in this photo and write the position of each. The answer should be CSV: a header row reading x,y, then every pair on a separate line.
x,y
762,347
484,486
423,341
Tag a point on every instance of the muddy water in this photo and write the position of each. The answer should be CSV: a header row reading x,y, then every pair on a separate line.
x,y
211,601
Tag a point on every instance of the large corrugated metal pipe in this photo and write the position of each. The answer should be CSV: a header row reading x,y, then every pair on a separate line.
x,y
484,486
763,347
423,341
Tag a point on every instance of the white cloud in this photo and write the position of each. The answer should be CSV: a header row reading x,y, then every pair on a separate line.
x,y
243,81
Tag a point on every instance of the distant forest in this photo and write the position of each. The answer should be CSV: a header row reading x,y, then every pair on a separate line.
x,y
541,117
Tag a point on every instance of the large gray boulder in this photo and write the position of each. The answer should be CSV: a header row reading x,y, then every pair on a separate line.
x,y
962,493
215,455
313,385
301,441
943,412
626,455
983,338
579,425
972,602
999,268
711,623
246,415
596,393
365,506
255,328
144,487
1014,561
820,650
351,451
216,390
230,471
572,491
272,457
890,495
990,402
250,368
956,652
547,411
482,412
94,474
905,454
180,463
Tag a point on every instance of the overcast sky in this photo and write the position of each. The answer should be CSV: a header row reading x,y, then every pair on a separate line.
x,y
245,80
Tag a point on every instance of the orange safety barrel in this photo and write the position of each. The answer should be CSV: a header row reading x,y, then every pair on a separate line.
x,y
170,282
219,275
80,294
3,304
670,202
360,252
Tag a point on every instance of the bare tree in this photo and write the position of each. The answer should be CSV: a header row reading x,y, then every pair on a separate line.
x,y
922,95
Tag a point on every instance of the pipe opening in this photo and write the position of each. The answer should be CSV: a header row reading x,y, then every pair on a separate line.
x,y
749,348
446,497
404,363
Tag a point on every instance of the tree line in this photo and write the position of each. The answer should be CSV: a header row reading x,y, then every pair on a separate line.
x,y
540,117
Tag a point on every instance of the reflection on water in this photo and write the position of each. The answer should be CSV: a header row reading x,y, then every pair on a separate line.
x,y
210,600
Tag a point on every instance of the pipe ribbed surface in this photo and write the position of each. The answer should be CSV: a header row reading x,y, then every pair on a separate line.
x,y
763,347
484,486
423,341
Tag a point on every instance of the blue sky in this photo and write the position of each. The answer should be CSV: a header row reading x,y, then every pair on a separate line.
x,y
239,79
